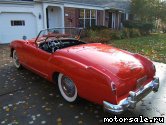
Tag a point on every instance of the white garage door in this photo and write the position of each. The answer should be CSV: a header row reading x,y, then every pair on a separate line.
x,y
17,25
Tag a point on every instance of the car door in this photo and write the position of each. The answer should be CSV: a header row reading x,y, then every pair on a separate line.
x,y
41,63
36,59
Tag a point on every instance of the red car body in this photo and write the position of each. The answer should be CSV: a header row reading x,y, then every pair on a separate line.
x,y
102,74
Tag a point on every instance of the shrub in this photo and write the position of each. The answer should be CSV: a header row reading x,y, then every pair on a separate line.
x,y
144,28
164,30
127,24
132,24
134,32
96,40
125,33
102,36
115,34
106,33
91,33
97,28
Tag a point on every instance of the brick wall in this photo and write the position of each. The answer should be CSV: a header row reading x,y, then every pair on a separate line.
x,y
71,17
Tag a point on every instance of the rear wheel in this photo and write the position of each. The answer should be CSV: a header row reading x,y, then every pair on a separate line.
x,y
67,88
16,60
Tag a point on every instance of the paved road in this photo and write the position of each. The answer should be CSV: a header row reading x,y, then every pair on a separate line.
x,y
26,98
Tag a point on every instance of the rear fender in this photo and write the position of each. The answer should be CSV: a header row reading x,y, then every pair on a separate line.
x,y
148,65
18,46
90,82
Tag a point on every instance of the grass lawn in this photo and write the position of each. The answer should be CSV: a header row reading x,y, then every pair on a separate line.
x,y
153,46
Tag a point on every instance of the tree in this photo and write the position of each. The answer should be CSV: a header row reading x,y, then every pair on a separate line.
x,y
163,12
137,9
149,10
145,10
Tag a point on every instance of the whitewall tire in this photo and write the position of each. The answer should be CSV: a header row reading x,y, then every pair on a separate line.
x,y
16,60
67,88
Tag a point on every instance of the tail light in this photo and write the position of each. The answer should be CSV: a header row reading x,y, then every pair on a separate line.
x,y
113,87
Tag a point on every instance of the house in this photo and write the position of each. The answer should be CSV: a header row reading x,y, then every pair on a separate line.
x,y
25,18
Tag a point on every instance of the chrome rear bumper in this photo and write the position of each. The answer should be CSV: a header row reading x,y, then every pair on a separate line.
x,y
133,98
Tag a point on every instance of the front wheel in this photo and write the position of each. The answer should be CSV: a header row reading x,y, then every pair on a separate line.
x,y
67,88
16,60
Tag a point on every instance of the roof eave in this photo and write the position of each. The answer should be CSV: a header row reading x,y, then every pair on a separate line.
x,y
17,2
68,2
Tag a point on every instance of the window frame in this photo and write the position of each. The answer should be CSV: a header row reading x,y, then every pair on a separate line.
x,y
89,18
17,23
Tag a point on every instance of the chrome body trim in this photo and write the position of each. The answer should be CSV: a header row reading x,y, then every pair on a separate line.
x,y
133,98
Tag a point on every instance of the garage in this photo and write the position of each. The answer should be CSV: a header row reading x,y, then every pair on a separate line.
x,y
17,26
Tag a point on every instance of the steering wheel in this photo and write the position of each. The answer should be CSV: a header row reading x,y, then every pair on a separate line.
x,y
53,45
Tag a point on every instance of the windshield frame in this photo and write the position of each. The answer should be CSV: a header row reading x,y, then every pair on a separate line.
x,y
41,33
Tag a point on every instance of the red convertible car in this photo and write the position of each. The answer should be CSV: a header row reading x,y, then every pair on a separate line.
x,y
100,73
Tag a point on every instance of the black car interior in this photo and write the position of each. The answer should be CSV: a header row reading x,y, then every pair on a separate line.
x,y
54,44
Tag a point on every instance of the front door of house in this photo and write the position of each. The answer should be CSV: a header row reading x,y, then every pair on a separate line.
x,y
110,20
54,17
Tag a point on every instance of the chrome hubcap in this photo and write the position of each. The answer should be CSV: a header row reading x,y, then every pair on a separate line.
x,y
68,86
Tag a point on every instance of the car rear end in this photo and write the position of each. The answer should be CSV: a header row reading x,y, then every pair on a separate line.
x,y
130,77
130,91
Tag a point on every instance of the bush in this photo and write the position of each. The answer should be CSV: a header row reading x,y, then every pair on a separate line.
x,y
134,32
164,30
132,24
106,33
96,40
97,28
102,36
144,28
125,33
115,34
91,33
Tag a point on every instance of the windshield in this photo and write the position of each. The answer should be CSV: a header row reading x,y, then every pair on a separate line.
x,y
59,33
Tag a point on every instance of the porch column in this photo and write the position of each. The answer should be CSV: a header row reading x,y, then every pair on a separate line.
x,y
120,20
113,20
127,16
63,16
96,17
44,16
118,16
103,17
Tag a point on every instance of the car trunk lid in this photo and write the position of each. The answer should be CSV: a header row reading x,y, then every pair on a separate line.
x,y
120,63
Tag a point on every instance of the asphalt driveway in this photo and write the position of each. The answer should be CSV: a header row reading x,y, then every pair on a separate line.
x,y
26,98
